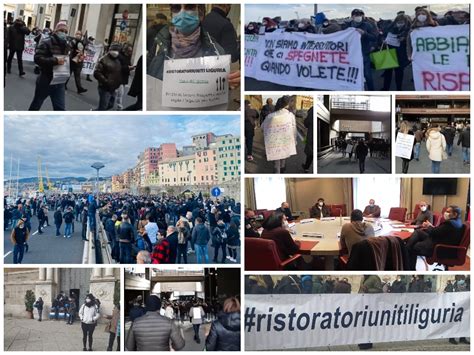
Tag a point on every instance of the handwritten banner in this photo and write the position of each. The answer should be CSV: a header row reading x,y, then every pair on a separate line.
x,y
404,145
30,48
252,43
441,58
196,82
279,133
315,61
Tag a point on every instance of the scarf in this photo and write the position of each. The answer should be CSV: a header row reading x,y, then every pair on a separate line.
x,y
185,46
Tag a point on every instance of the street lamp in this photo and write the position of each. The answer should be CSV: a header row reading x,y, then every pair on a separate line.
x,y
97,166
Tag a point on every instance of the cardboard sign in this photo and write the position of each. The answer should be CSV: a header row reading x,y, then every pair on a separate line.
x,y
441,58
404,145
278,322
196,82
316,61
279,130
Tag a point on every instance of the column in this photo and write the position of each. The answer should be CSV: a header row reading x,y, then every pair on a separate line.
x,y
97,273
109,272
56,276
49,274
42,274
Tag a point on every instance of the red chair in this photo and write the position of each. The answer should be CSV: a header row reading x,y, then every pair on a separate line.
x,y
259,212
436,219
262,255
397,214
340,207
452,255
267,213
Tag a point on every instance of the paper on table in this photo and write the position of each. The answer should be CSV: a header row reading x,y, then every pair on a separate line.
x,y
307,220
313,235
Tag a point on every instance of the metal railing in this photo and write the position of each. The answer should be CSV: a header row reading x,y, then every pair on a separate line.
x,y
97,249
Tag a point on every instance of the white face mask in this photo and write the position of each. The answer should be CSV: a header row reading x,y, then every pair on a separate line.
x,y
88,300
301,25
320,204
446,216
114,54
421,18
423,208
358,19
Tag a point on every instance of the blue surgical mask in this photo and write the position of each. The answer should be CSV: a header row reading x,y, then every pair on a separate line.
x,y
61,35
186,22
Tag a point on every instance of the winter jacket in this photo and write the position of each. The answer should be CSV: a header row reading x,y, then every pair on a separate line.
x,y
58,218
220,28
354,232
108,73
46,50
136,88
225,333
89,315
449,134
162,51
153,332
371,284
16,36
285,244
436,145
361,151
465,138
315,212
68,217
19,235
309,123
200,235
173,243
126,233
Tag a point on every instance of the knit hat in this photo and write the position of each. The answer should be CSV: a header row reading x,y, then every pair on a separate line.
x,y
153,303
320,18
61,26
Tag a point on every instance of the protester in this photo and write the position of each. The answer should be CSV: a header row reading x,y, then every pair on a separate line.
x,y
76,56
361,152
113,328
89,314
19,238
39,307
125,59
404,128
225,331
308,148
15,38
50,53
464,140
136,89
197,315
108,73
251,117
436,146
280,126
199,239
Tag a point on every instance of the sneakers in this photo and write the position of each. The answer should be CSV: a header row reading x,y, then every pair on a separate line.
x,y
22,74
233,260
65,236
228,257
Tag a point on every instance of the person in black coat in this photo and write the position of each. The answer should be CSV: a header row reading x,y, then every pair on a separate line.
x,y
465,141
360,154
58,221
423,241
16,44
308,148
172,237
225,331
41,218
221,29
251,118
136,89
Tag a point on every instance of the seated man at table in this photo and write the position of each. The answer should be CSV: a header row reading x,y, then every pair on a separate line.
x,y
372,210
355,231
423,241
285,209
274,228
424,215
320,210
250,226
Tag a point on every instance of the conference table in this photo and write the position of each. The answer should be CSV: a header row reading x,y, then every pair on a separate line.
x,y
321,237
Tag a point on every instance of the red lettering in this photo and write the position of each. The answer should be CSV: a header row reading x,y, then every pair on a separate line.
x,y
445,81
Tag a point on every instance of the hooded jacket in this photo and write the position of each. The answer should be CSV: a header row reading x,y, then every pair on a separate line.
x,y
89,315
225,333
436,145
354,232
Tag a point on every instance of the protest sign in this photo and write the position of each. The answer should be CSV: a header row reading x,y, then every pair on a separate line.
x,y
252,43
30,48
196,82
61,73
329,62
441,58
306,321
279,135
349,148
92,55
404,145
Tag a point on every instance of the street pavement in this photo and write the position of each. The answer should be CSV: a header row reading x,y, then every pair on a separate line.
x,y
46,248
334,163
49,335
187,332
452,165
260,165
19,92
256,85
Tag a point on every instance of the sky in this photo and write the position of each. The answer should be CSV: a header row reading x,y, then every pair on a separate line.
x,y
385,11
69,145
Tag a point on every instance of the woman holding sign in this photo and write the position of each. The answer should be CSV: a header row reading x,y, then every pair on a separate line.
x,y
279,131
405,129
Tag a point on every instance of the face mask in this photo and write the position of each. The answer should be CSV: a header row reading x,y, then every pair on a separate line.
x,y
461,282
114,54
446,216
358,19
78,38
264,23
21,226
321,204
400,24
325,24
250,28
372,204
421,18
423,208
88,300
61,35
301,25
186,22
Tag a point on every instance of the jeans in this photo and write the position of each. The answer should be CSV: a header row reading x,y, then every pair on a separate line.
x,y
18,251
362,165
40,314
466,152
57,94
196,330
70,319
201,253
58,229
216,252
76,68
435,166
449,149
369,81
417,151
68,230
106,99
92,222
183,251
125,253
249,144
119,96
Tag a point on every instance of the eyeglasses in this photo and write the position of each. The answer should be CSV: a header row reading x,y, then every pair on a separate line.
x,y
175,8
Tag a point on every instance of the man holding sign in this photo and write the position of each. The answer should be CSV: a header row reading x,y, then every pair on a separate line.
x,y
180,49
51,53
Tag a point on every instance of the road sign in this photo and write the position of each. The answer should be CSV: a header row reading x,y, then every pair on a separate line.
x,y
216,191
